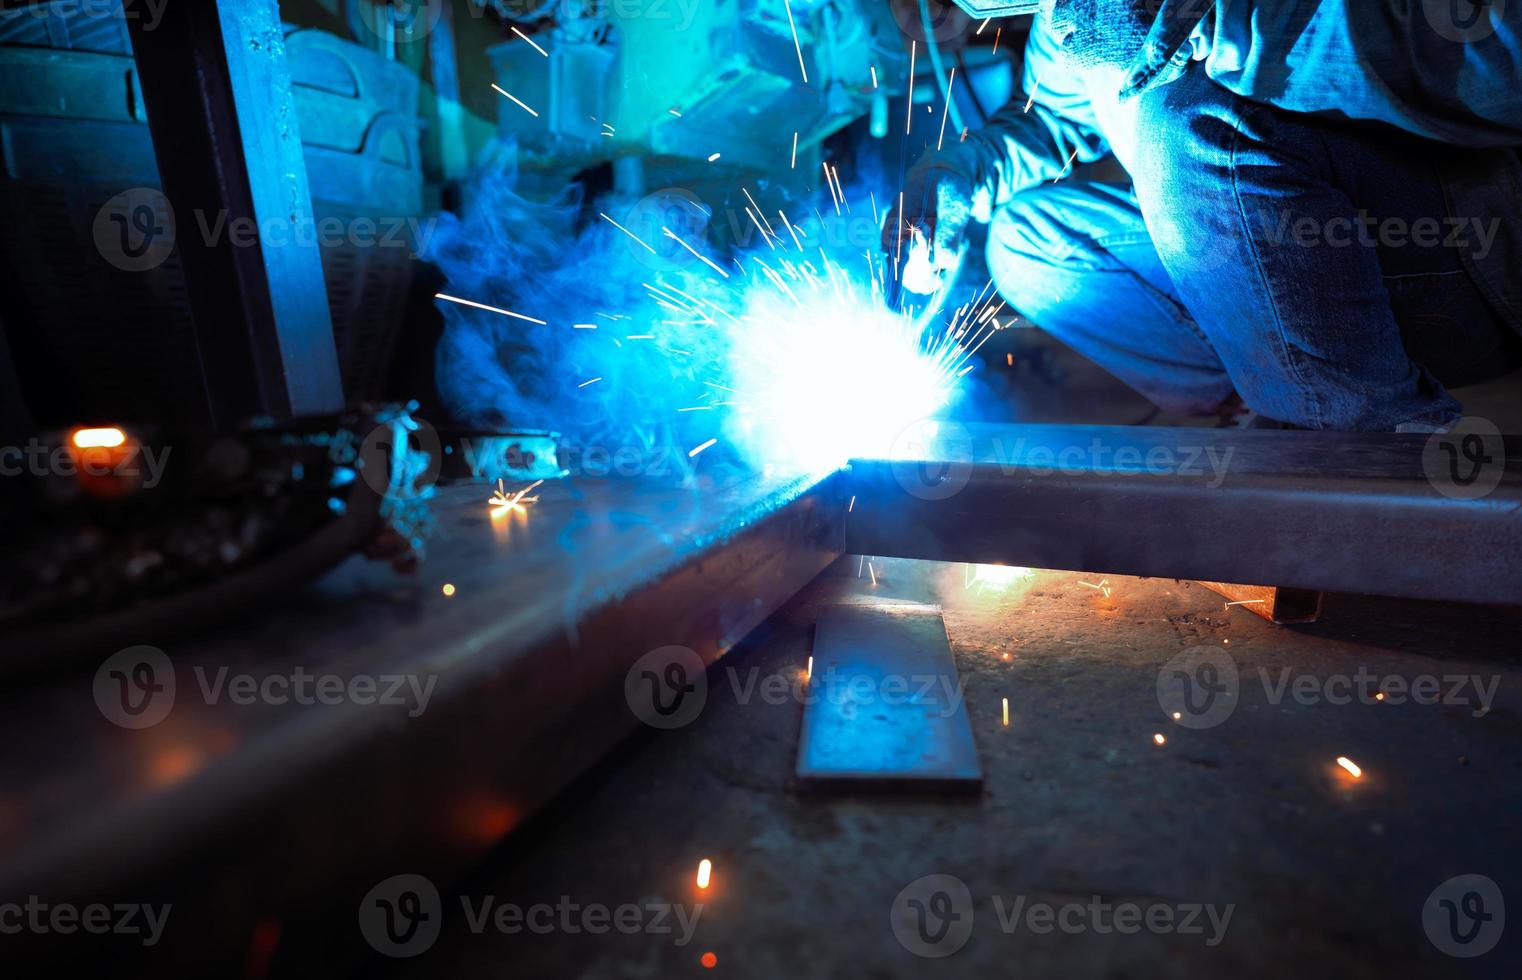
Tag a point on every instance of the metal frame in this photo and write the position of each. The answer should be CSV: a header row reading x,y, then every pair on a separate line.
x,y
552,612
218,93
1309,510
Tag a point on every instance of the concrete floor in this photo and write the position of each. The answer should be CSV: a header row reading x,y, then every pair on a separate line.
x,y
1325,875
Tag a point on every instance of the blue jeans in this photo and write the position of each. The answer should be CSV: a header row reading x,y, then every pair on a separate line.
x,y
1309,265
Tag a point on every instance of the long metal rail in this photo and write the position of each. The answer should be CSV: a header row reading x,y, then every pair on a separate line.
x,y
297,810
1384,514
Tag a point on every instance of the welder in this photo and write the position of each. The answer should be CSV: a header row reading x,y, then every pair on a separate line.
x,y
1324,219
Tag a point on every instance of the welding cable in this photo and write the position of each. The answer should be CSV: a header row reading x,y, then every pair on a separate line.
x,y
831,43
851,26
972,92
936,65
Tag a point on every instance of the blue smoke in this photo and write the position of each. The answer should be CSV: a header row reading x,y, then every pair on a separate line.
x,y
655,345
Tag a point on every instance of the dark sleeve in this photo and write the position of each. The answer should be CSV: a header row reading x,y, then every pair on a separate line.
x,y
1038,136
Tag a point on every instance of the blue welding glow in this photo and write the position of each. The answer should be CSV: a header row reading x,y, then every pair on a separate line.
x,y
780,356
826,373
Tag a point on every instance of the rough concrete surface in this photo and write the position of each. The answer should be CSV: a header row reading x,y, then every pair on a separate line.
x,y
1322,874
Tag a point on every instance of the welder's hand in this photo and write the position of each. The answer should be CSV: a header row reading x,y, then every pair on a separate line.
x,y
937,207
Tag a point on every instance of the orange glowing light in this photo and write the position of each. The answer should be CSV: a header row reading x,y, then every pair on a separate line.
x,y
1006,712
102,457
448,589
503,502
107,438
808,672
1350,766
174,764
1380,696
709,961
995,578
705,872
481,819
1158,738
1177,715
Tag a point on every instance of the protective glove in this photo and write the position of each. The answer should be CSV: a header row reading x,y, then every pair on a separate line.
x,y
931,230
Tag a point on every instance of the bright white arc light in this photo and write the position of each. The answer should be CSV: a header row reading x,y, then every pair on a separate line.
x,y
830,378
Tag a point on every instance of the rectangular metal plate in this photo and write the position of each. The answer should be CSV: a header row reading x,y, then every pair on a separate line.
x,y
884,708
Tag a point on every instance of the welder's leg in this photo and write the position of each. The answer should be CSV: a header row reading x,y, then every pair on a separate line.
x,y
1256,214
1076,260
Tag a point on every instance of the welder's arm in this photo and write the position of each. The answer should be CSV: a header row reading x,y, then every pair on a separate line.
x,y
1019,148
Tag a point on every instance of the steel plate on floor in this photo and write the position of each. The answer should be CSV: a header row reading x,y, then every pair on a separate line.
x,y
884,709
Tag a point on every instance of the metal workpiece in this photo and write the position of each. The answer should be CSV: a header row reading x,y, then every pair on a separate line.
x,y
1384,514
515,681
883,709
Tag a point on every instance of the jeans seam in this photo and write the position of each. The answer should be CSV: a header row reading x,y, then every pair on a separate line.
x,y
1425,275
1165,304
1239,119
1106,242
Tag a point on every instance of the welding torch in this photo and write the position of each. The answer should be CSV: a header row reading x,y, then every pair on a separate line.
x,y
924,256
923,246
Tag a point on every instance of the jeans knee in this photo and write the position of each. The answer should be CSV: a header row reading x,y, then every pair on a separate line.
x,y
1184,170
1067,222
1019,269
1024,228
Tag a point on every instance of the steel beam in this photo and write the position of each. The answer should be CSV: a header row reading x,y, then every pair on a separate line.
x,y
218,95
300,809
1321,511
